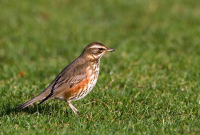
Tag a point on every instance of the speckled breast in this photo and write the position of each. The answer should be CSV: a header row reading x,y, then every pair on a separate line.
x,y
85,86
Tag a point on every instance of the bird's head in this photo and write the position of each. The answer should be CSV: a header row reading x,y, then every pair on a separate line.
x,y
96,50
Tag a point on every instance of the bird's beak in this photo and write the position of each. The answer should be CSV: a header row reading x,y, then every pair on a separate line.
x,y
110,50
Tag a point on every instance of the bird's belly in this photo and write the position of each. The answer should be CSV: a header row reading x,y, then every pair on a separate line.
x,y
85,91
79,91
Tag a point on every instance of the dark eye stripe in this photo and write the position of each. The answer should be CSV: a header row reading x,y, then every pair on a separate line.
x,y
101,49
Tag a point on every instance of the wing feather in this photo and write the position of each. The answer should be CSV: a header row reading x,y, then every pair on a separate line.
x,y
70,76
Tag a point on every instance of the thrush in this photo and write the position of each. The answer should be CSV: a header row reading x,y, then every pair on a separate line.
x,y
76,80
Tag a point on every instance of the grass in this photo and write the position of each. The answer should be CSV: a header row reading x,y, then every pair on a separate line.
x,y
150,85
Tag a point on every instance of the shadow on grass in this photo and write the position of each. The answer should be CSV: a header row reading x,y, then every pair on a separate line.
x,y
42,109
8,109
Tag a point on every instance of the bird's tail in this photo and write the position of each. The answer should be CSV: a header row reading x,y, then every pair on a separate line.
x,y
41,96
27,104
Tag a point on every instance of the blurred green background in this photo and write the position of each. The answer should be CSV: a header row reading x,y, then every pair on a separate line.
x,y
150,85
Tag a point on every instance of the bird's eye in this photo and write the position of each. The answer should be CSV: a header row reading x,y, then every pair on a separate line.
x,y
101,49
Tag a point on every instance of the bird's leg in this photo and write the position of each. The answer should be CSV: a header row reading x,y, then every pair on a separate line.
x,y
75,111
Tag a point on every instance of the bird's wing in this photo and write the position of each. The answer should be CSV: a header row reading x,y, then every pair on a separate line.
x,y
69,77
66,83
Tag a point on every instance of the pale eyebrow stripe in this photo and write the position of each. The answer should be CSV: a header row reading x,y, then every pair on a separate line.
x,y
96,46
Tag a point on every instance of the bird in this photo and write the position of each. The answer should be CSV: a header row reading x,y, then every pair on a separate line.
x,y
76,80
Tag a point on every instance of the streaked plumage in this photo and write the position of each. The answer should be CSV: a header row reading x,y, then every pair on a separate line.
x,y
77,79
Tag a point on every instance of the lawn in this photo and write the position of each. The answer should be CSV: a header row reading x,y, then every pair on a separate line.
x,y
149,85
